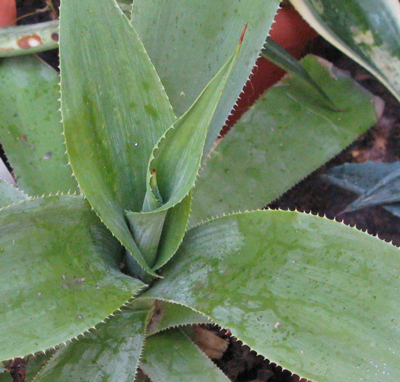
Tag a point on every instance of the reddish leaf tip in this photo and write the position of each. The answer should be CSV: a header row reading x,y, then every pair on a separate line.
x,y
243,33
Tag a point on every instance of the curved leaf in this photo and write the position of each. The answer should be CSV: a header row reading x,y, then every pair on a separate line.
x,y
167,315
387,190
173,168
284,137
368,31
312,295
36,362
159,233
177,156
203,35
60,273
114,110
30,128
9,194
171,356
359,177
109,353
279,56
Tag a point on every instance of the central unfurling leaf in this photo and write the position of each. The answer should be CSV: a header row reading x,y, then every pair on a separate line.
x,y
172,172
114,110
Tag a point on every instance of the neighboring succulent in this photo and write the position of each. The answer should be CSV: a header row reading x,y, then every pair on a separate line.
x,y
108,247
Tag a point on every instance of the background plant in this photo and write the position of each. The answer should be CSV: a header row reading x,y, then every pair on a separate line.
x,y
312,289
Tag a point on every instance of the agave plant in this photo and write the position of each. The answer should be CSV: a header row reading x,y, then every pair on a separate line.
x,y
97,261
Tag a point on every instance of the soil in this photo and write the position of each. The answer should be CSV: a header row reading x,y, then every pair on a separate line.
x,y
313,194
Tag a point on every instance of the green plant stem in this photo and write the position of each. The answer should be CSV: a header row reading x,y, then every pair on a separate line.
x,y
34,38
28,39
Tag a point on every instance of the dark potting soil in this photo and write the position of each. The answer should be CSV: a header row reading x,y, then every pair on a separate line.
x,y
313,194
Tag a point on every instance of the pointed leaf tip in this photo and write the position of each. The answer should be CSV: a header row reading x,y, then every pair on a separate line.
x,y
243,33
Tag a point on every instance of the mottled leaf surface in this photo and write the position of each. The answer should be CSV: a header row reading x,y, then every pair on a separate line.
x,y
108,354
284,137
312,295
203,35
9,194
171,356
368,31
60,273
114,110
30,128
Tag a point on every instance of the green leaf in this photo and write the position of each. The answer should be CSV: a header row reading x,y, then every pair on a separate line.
x,y
9,194
5,377
174,230
30,128
173,168
36,362
203,36
109,353
284,137
177,156
159,233
279,56
146,230
368,31
359,177
312,295
114,110
168,315
378,183
60,273
387,190
171,356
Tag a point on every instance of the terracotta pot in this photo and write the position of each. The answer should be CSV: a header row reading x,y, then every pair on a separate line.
x,y
8,13
292,33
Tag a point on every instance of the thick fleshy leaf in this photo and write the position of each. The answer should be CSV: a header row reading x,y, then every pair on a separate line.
x,y
159,233
174,166
359,177
284,137
174,230
36,362
172,356
368,31
146,230
203,35
177,157
312,295
108,354
60,273
114,110
376,182
168,315
30,128
387,190
279,56
9,194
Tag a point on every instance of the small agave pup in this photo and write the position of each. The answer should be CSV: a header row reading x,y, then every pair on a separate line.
x,y
312,295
